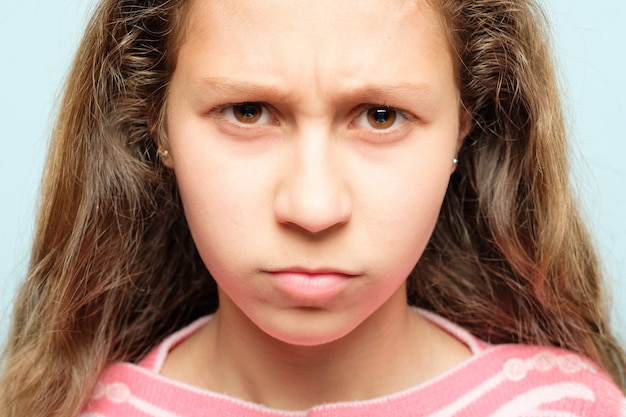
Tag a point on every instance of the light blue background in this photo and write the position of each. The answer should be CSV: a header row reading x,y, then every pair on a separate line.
x,y
38,39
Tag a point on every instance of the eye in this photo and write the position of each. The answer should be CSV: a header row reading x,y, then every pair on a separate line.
x,y
247,113
379,118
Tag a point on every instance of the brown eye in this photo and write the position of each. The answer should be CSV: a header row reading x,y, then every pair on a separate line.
x,y
247,113
381,117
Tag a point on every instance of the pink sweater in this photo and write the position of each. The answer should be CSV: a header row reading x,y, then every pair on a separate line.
x,y
498,381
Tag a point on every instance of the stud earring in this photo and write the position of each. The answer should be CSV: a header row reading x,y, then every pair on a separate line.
x,y
455,161
163,153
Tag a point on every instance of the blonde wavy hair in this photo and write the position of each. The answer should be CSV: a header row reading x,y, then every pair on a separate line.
x,y
114,269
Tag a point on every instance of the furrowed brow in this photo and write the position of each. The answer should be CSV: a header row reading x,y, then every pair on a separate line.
x,y
225,87
422,92
398,94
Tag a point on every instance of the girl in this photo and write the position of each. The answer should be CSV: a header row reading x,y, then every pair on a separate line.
x,y
267,175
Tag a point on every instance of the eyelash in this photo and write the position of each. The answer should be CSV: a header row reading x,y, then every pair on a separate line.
x,y
266,110
399,116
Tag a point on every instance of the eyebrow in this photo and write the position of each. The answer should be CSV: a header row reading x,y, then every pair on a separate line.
x,y
419,91
226,86
422,93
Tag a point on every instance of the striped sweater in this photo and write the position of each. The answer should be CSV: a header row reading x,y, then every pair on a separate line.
x,y
497,381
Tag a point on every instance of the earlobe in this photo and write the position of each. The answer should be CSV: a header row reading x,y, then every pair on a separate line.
x,y
165,157
157,133
455,163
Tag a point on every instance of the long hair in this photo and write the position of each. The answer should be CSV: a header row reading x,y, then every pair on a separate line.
x,y
114,268
510,258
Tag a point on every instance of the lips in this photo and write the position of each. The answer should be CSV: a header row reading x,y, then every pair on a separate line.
x,y
310,285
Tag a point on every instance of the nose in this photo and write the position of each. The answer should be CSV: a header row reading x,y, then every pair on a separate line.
x,y
313,193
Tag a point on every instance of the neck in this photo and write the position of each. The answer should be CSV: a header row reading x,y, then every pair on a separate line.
x,y
392,350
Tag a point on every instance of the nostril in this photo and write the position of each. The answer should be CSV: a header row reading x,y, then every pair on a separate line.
x,y
314,232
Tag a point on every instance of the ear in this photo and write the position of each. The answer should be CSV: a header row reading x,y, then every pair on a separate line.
x,y
158,134
465,126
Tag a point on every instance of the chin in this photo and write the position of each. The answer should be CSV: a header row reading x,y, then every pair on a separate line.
x,y
309,331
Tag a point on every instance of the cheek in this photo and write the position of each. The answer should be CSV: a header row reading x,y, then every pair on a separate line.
x,y
224,202
408,226
407,195
401,206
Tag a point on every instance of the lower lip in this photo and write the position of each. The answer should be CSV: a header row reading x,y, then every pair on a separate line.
x,y
311,287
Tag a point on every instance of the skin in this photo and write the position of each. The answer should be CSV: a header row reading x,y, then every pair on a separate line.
x,y
313,189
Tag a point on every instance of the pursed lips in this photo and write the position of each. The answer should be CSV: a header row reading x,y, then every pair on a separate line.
x,y
310,284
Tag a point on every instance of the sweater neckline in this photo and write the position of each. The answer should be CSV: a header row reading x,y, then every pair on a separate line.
x,y
153,363
155,360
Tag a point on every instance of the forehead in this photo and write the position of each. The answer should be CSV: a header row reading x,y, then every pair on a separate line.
x,y
326,39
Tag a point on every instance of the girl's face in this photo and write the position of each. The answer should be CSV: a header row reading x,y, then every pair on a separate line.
x,y
312,143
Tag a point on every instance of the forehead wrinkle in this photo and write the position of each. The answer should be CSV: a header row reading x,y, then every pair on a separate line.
x,y
228,84
310,70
